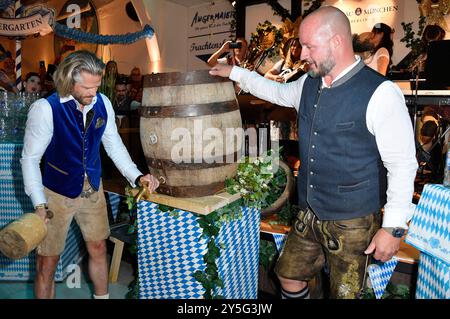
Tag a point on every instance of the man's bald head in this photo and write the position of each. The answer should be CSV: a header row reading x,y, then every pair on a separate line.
x,y
328,21
326,39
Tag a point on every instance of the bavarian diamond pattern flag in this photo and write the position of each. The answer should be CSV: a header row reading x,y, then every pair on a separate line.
x,y
380,274
279,240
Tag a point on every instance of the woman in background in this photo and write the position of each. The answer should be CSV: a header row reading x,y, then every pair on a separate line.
x,y
237,53
32,83
376,47
285,69
430,33
109,79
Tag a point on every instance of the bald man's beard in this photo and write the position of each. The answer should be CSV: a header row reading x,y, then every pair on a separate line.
x,y
322,68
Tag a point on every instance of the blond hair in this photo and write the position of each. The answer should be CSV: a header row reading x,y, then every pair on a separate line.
x,y
69,71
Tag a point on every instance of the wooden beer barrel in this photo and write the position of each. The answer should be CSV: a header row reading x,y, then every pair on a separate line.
x,y
189,132
23,235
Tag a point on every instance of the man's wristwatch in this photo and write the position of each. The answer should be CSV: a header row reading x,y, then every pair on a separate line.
x,y
41,206
137,182
397,232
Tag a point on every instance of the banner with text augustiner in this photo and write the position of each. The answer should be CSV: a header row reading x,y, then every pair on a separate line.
x,y
209,27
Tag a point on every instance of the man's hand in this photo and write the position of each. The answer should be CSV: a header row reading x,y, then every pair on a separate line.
x,y
223,70
42,212
226,46
384,244
150,182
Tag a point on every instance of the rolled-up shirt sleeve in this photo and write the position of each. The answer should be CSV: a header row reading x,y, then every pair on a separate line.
x,y
389,121
284,94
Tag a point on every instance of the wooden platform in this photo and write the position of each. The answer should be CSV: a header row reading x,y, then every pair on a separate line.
x,y
200,205
408,254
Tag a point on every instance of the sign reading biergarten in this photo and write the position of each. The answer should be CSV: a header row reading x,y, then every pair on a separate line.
x,y
209,27
23,27
34,23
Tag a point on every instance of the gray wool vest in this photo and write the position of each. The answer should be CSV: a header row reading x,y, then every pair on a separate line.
x,y
341,175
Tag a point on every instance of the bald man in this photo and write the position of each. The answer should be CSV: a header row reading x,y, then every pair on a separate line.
x,y
357,157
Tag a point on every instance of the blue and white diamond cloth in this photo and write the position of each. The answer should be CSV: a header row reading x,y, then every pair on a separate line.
x,y
429,230
380,274
171,249
113,200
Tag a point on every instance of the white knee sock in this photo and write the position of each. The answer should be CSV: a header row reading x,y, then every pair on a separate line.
x,y
101,297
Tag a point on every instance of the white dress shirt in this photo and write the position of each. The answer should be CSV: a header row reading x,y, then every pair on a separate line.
x,y
387,119
38,135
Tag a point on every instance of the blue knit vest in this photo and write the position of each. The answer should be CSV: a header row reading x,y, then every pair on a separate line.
x,y
74,150
341,175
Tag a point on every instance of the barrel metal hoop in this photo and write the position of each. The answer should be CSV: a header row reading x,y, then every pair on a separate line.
x,y
191,191
181,78
189,110
159,163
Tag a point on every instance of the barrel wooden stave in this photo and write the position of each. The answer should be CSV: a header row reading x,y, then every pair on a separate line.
x,y
165,130
185,95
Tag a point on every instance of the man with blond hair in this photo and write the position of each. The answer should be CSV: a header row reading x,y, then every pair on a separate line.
x,y
67,129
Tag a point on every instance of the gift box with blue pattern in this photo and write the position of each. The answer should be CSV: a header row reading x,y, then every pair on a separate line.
x,y
429,232
433,278
14,203
170,251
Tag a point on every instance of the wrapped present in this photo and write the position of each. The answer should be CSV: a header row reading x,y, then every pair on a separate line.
x,y
171,249
429,230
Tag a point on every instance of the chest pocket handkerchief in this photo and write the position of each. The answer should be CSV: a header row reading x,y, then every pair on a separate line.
x,y
100,122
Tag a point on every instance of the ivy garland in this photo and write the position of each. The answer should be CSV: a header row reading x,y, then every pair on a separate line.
x,y
253,181
279,10
133,287
211,224
257,38
414,43
316,4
